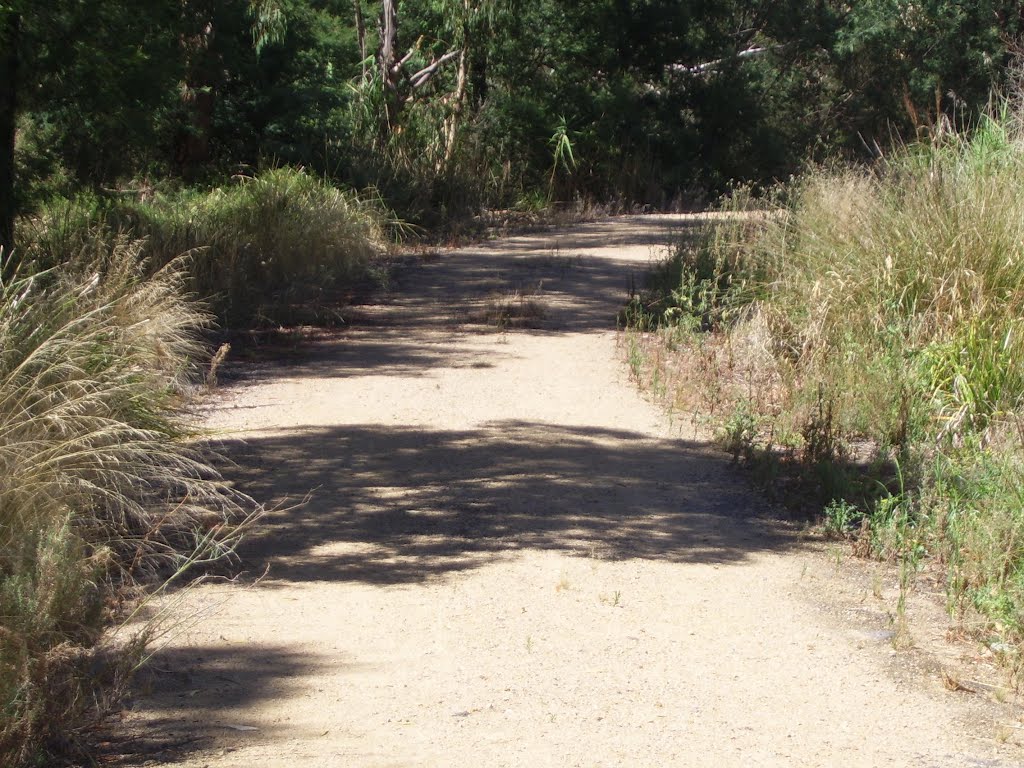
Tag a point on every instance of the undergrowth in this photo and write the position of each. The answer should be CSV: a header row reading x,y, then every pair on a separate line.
x,y
859,337
281,247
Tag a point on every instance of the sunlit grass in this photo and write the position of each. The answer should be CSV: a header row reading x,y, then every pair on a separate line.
x,y
871,326
100,487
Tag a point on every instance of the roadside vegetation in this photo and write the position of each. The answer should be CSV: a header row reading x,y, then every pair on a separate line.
x,y
107,495
101,491
280,247
857,338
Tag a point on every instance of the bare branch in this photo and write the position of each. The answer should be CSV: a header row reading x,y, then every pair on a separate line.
x,y
422,77
402,62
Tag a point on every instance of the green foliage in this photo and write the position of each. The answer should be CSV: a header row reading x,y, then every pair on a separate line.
x,y
978,505
937,59
739,431
561,154
668,101
95,81
841,518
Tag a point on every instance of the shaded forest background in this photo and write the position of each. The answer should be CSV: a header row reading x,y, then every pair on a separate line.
x,y
449,106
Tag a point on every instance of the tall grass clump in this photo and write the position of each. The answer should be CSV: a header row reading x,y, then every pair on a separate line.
x,y
283,246
871,328
100,491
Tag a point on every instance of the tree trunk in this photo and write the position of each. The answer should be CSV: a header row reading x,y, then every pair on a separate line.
x,y
388,35
452,124
387,61
198,99
478,74
10,27
361,32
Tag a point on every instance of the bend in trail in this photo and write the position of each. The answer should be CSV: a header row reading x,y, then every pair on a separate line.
x,y
509,559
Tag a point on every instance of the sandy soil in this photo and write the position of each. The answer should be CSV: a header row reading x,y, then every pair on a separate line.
x,y
510,558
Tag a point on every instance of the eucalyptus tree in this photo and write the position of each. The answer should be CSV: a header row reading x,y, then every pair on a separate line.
x,y
431,55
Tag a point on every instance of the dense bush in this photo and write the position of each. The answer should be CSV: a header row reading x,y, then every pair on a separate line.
x,y
273,248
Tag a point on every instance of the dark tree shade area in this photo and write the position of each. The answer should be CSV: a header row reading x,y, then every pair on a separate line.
x,y
449,105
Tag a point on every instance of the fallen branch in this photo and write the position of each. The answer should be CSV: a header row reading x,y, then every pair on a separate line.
x,y
710,66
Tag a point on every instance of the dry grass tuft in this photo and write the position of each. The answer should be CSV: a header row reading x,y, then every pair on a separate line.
x,y
512,309
100,487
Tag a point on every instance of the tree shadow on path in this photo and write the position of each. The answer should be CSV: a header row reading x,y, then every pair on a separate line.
x,y
393,504
577,275
403,505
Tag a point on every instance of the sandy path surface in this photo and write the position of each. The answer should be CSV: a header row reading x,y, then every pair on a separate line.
x,y
510,559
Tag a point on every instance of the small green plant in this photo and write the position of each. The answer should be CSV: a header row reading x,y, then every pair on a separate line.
x,y
614,601
561,154
636,357
739,432
841,518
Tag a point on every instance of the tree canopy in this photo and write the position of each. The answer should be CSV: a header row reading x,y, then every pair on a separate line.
x,y
443,104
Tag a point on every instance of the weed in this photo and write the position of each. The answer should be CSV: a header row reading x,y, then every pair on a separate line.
x,y
512,309
614,601
841,518
636,357
739,432
836,553
215,362
561,155
821,439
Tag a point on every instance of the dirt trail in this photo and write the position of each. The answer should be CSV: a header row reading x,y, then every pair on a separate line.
x,y
510,559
